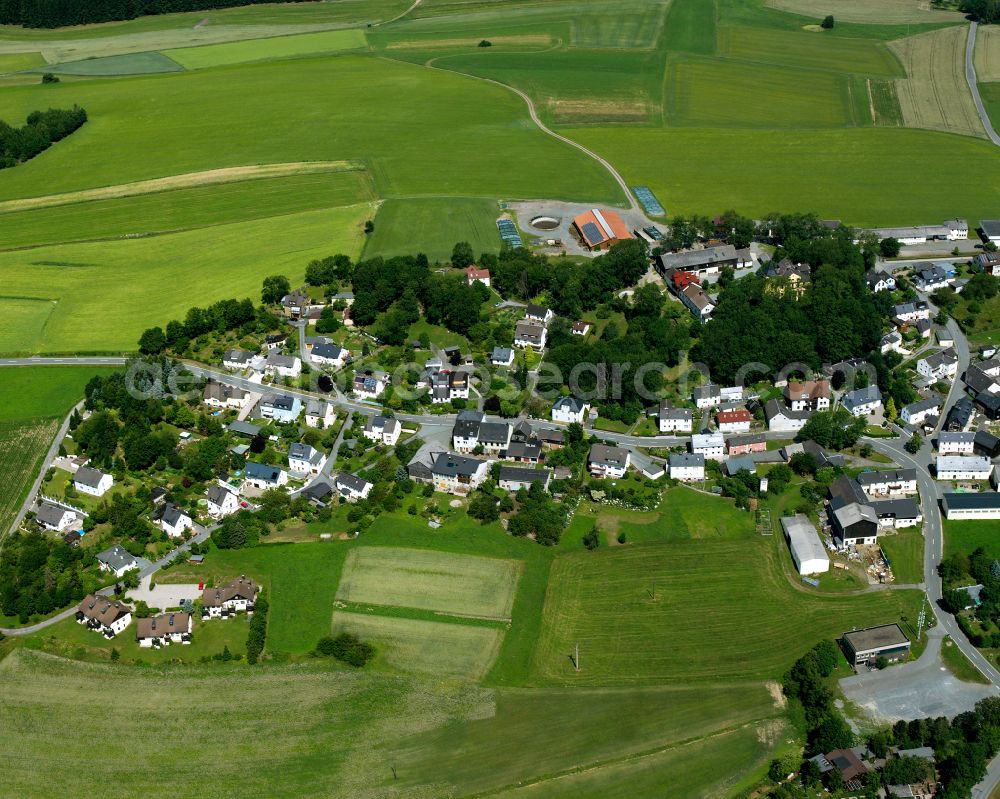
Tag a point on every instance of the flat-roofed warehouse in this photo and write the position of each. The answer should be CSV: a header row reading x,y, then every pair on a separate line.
x,y
866,646
807,550
599,229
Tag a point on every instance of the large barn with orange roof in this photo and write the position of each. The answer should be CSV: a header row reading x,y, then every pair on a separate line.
x,y
599,229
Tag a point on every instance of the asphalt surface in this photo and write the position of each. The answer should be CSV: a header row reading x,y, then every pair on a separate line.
x,y
970,78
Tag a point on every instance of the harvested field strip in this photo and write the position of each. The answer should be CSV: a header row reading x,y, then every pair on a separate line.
x,y
23,444
430,580
414,645
885,103
873,12
434,44
987,56
935,95
205,178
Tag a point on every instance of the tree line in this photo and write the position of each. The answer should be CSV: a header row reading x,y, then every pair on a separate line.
x,y
59,13
41,130
39,574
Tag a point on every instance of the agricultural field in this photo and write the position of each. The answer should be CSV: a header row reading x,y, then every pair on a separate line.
x,y
460,585
874,12
216,55
934,95
442,649
432,225
145,281
656,614
987,54
24,444
115,65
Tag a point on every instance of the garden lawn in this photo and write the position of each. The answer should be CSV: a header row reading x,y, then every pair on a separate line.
x,y
968,535
690,611
845,171
433,225
107,293
905,550
440,649
460,585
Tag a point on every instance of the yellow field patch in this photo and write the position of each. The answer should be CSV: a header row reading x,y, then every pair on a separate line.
x,y
186,181
434,44
987,58
935,95
874,12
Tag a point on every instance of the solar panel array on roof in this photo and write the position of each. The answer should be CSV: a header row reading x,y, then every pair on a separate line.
x,y
508,232
648,200
592,233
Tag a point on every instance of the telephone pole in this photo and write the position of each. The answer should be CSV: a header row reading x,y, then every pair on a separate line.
x,y
576,658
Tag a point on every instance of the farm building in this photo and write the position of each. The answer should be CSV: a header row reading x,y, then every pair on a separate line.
x,y
866,646
803,541
985,505
599,229
991,229
950,230
708,260
957,467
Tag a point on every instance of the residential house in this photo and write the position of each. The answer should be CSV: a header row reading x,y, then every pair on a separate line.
x,y
794,276
475,275
967,467
736,421
280,407
275,341
54,517
236,360
351,487
529,334
318,492
465,433
782,419
707,396
746,444
329,355
296,304
891,342
944,337
862,401
264,477
711,445
988,262
524,451
675,420
569,409
167,628
117,560
369,386
854,521
448,385
919,412
960,443
687,467
221,501
494,437
502,356
514,478
280,365
238,596
811,395
604,461
942,365
103,615
320,413
880,281
960,416
928,277
92,482
244,429
383,429
551,438
304,459
458,474
538,313
217,395
697,301
889,483
172,520
911,311
580,328
742,463
898,513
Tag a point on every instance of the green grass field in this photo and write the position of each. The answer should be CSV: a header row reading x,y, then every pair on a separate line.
x,y
440,649
184,209
107,293
216,55
459,585
116,65
22,322
432,225
905,551
691,611
967,536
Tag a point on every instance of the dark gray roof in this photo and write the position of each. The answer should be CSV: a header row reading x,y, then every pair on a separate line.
x,y
50,514
283,402
171,514
218,493
261,471
887,476
698,258
522,475
569,403
521,449
244,429
536,311
743,463
87,476
682,459
888,635
331,351
861,396
501,354
318,491
451,465
304,452
667,411
346,480
984,500
614,456
494,433
117,557
902,508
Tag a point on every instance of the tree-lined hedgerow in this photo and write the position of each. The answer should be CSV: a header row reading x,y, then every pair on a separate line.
x,y
58,13
41,130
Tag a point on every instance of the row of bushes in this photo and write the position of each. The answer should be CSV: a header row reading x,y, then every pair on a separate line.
x,y
41,130
58,13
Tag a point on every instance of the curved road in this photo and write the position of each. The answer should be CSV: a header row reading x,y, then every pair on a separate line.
x,y
970,78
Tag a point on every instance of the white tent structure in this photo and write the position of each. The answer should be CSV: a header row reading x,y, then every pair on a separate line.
x,y
807,550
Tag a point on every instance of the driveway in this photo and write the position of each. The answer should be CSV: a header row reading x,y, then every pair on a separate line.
x,y
923,688
162,595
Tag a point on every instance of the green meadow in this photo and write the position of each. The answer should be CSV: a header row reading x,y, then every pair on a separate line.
x,y
214,55
432,225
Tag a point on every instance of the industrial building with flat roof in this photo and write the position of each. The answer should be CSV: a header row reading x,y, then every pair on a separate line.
x,y
864,647
807,550
984,505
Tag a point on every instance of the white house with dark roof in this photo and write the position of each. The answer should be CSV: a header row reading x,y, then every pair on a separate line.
x,y
608,462
457,474
351,487
941,365
54,517
369,386
959,467
783,419
538,313
237,360
305,459
687,467
516,478
675,420
911,311
93,482
172,520
320,413
697,301
106,616
281,407
710,445
530,334
916,413
283,365
707,396
383,430
219,395
889,482
960,443
502,357
569,409
262,477
862,401
329,355
117,560
222,501
879,280
167,628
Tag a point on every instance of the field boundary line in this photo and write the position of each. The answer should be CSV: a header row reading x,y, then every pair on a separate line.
x,y
186,180
420,614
